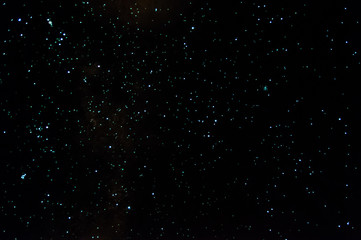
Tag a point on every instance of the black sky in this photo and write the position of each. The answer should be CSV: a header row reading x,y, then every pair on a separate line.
x,y
180,120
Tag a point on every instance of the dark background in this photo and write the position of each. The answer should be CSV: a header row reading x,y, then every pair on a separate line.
x,y
245,127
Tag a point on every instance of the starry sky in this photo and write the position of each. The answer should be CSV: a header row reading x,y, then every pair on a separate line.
x,y
156,119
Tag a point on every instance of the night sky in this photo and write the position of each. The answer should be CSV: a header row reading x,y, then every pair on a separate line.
x,y
174,120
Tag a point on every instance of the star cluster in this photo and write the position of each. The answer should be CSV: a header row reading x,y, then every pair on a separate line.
x,y
179,120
